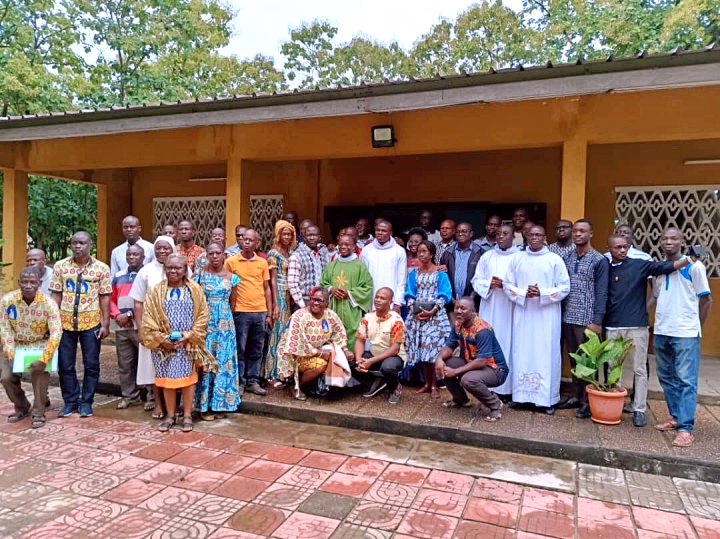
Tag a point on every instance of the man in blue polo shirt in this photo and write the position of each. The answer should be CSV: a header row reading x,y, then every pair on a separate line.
x,y
683,305
481,364
626,315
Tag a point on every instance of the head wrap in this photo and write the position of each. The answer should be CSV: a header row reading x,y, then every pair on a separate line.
x,y
278,230
166,239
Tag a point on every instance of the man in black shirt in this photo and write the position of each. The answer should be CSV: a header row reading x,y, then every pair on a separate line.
x,y
626,315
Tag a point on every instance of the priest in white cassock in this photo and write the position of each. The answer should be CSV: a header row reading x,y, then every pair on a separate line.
x,y
537,281
496,308
387,263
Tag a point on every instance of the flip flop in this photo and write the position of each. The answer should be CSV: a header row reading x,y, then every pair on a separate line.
x,y
16,416
494,415
37,422
149,407
453,404
167,424
187,426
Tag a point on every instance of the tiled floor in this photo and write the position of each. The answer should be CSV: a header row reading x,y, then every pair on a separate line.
x,y
108,477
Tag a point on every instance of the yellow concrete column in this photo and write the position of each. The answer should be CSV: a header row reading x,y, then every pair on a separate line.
x,y
101,245
233,198
574,165
15,220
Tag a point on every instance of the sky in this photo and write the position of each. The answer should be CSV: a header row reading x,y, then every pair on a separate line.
x,y
262,25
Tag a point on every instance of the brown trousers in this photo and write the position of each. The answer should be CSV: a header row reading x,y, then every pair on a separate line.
x,y
12,384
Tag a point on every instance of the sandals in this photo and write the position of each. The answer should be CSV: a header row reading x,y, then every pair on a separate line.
x,y
187,426
149,406
207,416
667,426
683,439
494,415
37,422
167,424
16,416
125,404
453,404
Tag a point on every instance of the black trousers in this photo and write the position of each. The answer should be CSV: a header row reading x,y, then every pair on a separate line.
x,y
574,336
389,369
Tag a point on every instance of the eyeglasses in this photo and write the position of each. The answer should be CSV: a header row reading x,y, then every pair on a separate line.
x,y
317,300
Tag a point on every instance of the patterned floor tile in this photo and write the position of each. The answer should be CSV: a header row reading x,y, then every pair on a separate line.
x,y
285,454
56,530
468,529
427,525
26,470
351,531
227,463
262,520
15,524
663,522
449,482
212,509
603,530
241,488
328,505
193,457
547,523
385,492
304,477
160,451
54,503
191,438
600,483
606,512
283,496
126,428
165,474
654,499
645,480
497,490
443,503
183,528
700,499
131,466
134,524
347,485
304,526
93,514
65,454
23,493
171,500
132,492
38,446
548,500
411,476
265,470
94,483
323,461
369,468
202,480
377,515
60,476
216,442
98,459
492,512
250,449
706,529
127,444
69,434
229,533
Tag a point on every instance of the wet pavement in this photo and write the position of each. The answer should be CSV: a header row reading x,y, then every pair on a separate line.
x,y
115,476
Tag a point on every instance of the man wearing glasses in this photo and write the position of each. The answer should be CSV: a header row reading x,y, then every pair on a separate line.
x,y
563,245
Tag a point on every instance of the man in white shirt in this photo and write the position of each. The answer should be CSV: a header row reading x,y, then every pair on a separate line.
x,y
387,263
683,305
131,231
35,258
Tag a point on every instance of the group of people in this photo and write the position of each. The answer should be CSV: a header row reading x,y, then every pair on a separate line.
x,y
487,316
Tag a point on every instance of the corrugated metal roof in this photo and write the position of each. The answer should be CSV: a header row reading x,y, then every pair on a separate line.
x,y
676,58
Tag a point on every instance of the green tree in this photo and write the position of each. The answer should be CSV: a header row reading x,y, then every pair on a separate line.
x,y
310,55
366,60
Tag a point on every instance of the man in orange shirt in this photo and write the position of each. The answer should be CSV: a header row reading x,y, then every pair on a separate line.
x,y
252,311
187,246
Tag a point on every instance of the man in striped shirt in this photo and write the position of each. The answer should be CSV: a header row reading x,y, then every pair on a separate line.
x,y
126,335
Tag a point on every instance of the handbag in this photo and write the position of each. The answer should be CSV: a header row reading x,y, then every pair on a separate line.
x,y
425,305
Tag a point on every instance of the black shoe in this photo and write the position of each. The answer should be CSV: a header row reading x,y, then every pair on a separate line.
x,y
377,386
547,410
572,402
639,419
629,408
583,412
255,388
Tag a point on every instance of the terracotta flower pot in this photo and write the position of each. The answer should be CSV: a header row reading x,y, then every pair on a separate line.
x,y
606,408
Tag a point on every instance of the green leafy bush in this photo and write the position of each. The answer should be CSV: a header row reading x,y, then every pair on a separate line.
x,y
595,354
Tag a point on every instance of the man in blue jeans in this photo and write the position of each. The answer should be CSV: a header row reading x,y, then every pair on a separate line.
x,y
683,304
81,286
252,311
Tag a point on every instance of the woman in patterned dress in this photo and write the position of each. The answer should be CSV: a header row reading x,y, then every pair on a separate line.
x,y
175,319
278,258
301,347
219,393
427,329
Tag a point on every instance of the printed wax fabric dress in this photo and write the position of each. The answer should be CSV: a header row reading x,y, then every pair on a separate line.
x,y
278,262
425,339
176,369
219,392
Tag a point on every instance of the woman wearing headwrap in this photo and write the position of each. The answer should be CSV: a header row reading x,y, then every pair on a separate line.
x,y
278,257
175,320
148,276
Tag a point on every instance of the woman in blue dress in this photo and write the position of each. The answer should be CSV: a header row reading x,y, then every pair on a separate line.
x,y
427,325
219,393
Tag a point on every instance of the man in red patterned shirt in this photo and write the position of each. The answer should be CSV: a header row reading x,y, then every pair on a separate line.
x,y
187,246
385,330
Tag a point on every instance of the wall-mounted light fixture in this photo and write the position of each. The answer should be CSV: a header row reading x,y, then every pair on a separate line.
x,y
702,162
383,136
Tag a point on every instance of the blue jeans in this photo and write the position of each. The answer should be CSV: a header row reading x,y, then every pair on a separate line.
x,y
90,347
678,360
250,335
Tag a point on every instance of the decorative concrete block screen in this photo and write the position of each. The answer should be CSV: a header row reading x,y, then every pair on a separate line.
x,y
693,209
206,213
265,211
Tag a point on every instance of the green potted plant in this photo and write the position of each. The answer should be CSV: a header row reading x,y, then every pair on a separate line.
x,y
606,399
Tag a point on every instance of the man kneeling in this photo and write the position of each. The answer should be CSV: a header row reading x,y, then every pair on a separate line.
x,y
481,364
381,366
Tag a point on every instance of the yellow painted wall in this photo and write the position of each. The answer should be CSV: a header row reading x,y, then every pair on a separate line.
x,y
661,163
148,183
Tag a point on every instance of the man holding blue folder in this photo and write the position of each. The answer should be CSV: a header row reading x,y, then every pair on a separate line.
x,y
29,325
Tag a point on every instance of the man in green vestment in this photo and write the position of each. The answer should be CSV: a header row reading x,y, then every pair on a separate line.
x,y
350,285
